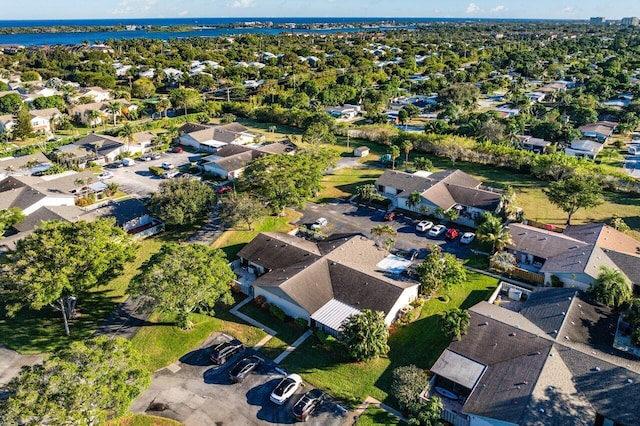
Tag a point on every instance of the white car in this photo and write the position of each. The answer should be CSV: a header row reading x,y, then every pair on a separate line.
x,y
105,175
437,230
424,226
285,389
467,238
166,166
319,224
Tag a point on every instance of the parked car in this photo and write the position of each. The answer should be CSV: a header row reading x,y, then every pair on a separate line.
x,y
424,226
128,162
177,149
243,368
307,404
389,216
285,389
155,155
116,164
145,158
225,350
170,174
437,230
105,175
224,189
452,234
320,223
467,238
166,165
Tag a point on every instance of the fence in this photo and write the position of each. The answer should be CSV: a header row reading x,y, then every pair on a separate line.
x,y
454,418
528,276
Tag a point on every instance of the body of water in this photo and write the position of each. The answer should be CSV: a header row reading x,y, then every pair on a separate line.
x,y
280,25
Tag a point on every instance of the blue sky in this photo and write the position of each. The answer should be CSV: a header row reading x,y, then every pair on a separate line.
x,y
104,9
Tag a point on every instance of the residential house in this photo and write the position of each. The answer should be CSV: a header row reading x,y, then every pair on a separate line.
x,y
535,97
131,215
325,282
29,193
584,149
7,122
507,111
556,86
41,119
576,255
82,112
142,142
599,131
98,94
549,362
101,149
451,189
210,138
537,145
24,165
343,112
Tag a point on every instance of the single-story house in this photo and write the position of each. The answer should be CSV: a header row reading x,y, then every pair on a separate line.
x,y
575,255
600,131
30,193
451,189
82,114
132,216
342,112
101,149
361,151
7,121
210,138
143,142
537,145
584,149
324,282
41,119
98,94
24,164
543,364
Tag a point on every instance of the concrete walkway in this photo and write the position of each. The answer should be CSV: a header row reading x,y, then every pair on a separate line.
x,y
235,311
372,401
293,346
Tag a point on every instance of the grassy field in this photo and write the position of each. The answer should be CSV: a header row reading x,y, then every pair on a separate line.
x,y
419,343
142,420
375,415
343,182
287,333
233,240
165,343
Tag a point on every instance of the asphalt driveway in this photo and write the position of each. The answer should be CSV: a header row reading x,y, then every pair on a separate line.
x,y
195,392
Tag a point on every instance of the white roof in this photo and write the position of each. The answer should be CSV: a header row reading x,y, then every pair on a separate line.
x,y
394,264
458,368
333,313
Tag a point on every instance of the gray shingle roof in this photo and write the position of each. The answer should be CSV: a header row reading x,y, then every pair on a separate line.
x,y
547,308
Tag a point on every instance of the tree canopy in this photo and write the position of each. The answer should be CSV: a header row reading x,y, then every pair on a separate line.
x,y
182,278
182,201
61,259
365,335
455,323
611,288
440,269
9,217
84,384
574,193
243,207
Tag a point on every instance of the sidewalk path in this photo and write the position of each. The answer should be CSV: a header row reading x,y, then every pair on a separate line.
x,y
372,401
125,321
293,346
235,311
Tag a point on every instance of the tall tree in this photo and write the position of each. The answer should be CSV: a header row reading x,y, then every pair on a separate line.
x,y
23,128
406,146
365,335
182,201
115,108
407,383
54,264
143,88
185,98
611,288
85,384
414,200
492,231
455,323
183,278
394,152
574,193
318,133
367,191
379,231
92,117
440,269
9,217
128,135
242,207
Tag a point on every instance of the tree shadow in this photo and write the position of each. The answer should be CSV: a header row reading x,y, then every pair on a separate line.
x,y
475,297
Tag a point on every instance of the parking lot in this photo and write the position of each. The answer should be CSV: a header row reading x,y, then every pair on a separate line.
x,y
349,218
195,392
137,179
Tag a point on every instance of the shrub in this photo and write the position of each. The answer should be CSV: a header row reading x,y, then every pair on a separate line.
x,y
635,337
156,171
302,323
277,312
408,381
260,301
556,282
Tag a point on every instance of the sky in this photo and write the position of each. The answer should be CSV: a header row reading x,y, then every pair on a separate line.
x,y
114,9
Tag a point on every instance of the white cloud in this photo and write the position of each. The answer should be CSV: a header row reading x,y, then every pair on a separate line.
x,y
244,4
568,9
183,13
500,8
473,8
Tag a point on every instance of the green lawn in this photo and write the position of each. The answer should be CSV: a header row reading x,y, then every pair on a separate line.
x,y
343,182
233,240
287,333
165,343
142,420
375,415
419,343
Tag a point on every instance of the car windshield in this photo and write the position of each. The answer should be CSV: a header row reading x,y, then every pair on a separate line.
x,y
240,366
283,386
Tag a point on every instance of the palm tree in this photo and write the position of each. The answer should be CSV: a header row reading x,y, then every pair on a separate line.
x,y
414,200
407,146
492,231
379,230
366,192
456,323
92,117
127,133
164,104
503,261
394,153
365,335
611,288
114,108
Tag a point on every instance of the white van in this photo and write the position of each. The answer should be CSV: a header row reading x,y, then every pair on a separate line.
x,y
128,162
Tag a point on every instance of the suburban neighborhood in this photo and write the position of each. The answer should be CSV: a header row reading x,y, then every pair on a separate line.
x,y
429,224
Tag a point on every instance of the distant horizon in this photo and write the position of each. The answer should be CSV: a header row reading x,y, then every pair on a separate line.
x,y
328,9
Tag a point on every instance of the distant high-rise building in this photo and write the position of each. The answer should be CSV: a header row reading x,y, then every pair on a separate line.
x,y
598,20
633,21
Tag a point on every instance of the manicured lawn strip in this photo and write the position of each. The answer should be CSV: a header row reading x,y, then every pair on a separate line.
x,y
233,240
165,343
143,420
419,343
344,182
375,415
287,333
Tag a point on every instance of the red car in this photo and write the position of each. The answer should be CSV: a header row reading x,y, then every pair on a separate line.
x,y
177,149
389,216
224,189
452,234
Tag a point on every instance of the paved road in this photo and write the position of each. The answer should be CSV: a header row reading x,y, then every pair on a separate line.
x,y
11,362
196,393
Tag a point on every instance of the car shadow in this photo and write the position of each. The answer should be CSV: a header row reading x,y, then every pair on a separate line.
x,y
146,173
270,412
217,375
198,357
